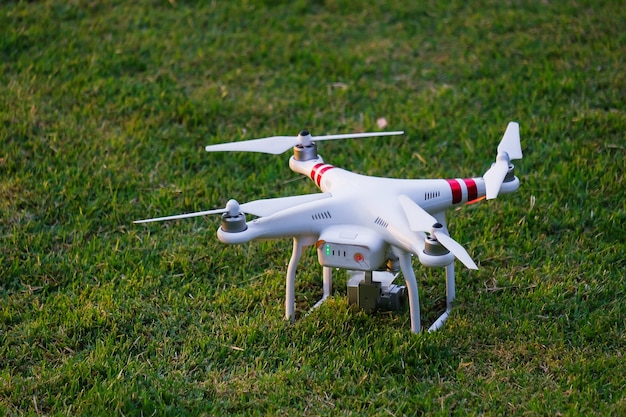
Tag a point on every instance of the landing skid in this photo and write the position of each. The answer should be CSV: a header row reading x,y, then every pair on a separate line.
x,y
406,267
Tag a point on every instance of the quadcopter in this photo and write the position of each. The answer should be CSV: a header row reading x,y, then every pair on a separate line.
x,y
371,227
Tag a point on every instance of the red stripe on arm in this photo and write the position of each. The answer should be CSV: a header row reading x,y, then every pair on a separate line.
x,y
472,190
319,174
457,193
314,170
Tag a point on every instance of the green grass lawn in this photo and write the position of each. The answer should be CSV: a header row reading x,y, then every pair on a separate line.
x,y
105,109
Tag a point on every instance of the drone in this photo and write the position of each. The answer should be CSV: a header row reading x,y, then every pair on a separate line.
x,y
372,227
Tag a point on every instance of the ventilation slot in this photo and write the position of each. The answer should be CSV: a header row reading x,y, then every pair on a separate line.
x,y
381,222
322,215
431,195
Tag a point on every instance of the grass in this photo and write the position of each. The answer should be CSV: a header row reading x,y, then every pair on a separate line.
x,y
105,108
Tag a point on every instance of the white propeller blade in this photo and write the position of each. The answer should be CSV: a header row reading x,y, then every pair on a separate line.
x,y
494,178
182,216
356,135
422,221
273,145
279,144
259,208
270,206
419,219
456,249
510,142
509,148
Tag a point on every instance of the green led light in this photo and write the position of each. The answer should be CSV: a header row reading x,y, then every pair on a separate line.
x,y
327,249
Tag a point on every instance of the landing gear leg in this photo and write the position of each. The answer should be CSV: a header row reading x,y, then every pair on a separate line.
x,y
327,273
450,294
411,285
299,243
290,286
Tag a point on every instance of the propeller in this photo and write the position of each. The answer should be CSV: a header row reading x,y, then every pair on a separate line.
x,y
233,208
259,208
422,221
508,149
279,144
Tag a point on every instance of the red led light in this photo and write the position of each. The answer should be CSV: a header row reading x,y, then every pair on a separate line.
x,y
358,257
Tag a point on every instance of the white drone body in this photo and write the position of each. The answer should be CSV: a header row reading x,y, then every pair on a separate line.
x,y
370,226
